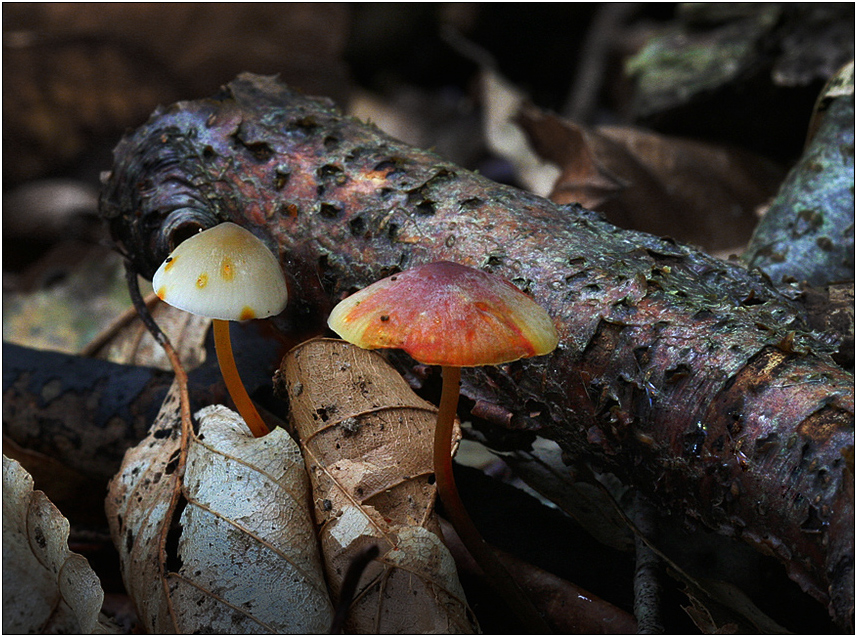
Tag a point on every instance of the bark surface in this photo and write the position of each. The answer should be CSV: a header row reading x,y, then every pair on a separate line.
x,y
807,233
687,376
80,411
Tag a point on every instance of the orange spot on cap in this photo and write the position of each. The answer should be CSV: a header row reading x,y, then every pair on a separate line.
x,y
162,292
202,280
227,269
169,263
247,313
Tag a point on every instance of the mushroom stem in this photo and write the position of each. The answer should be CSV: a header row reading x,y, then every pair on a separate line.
x,y
223,346
455,511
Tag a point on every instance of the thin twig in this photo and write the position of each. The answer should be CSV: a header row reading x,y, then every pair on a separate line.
x,y
600,40
349,586
184,408
647,588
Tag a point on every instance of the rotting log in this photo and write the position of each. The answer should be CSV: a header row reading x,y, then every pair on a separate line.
x,y
85,412
689,377
82,412
807,234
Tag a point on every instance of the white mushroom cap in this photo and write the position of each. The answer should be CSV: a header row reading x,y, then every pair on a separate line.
x,y
224,272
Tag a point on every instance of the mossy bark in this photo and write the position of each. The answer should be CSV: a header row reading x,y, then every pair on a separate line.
x,y
807,233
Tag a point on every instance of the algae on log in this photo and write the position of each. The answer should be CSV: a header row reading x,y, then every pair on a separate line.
x,y
687,376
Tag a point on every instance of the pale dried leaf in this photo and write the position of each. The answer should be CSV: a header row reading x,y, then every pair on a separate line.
x,y
701,617
840,85
243,556
46,587
502,101
367,441
67,314
740,605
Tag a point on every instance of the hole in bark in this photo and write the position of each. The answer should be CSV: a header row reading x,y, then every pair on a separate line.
x,y
260,151
331,172
703,315
751,299
306,124
813,523
392,166
357,226
536,409
426,207
677,373
329,210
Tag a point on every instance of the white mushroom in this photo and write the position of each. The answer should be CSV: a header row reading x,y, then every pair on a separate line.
x,y
224,272
227,274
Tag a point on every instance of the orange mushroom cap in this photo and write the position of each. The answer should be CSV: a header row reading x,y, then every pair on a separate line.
x,y
446,314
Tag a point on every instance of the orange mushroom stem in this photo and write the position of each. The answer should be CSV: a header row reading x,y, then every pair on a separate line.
x,y
232,380
454,316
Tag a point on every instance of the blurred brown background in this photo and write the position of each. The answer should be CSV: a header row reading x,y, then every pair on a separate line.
x,y
447,76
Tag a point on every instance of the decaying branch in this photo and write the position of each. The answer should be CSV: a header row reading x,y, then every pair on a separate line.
x,y
687,376
81,411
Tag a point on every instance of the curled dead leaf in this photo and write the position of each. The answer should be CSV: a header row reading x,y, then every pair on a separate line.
x,y
692,191
367,442
46,587
238,553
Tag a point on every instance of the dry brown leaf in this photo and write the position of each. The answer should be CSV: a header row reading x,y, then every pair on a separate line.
x,y
77,75
128,342
691,191
367,441
46,587
241,554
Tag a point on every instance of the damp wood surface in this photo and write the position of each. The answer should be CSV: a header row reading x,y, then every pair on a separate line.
x,y
687,376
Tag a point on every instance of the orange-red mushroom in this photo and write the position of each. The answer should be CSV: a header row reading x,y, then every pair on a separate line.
x,y
455,316
227,274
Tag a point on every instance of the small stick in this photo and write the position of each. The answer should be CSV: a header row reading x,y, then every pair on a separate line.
x,y
349,586
647,589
